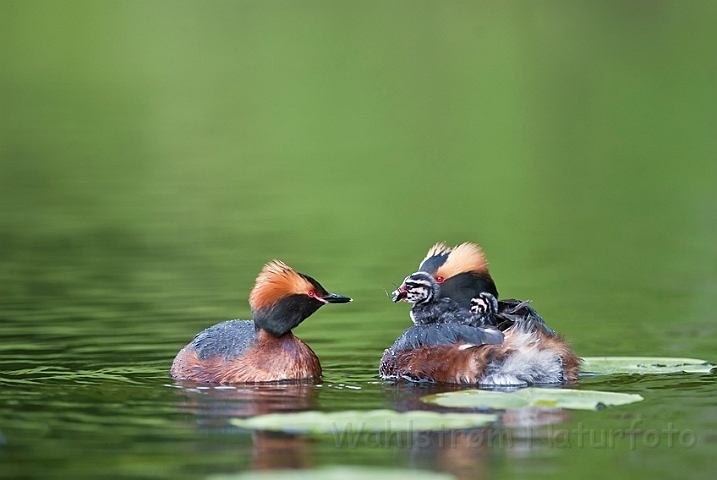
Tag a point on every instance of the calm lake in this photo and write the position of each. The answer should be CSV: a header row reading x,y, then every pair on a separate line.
x,y
154,155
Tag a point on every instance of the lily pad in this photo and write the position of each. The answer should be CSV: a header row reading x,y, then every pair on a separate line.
x,y
532,397
342,472
607,365
363,421
477,399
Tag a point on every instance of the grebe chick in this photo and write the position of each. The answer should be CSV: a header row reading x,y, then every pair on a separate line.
x,y
429,307
263,349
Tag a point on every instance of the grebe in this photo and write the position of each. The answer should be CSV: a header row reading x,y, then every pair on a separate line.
x,y
262,350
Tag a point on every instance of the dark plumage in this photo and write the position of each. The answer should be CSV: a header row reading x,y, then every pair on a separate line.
x,y
512,312
445,334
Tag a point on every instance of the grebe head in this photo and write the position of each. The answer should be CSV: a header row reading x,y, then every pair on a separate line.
x,y
282,298
419,287
461,271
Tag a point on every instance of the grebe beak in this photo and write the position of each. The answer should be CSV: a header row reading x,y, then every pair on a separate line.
x,y
400,294
333,298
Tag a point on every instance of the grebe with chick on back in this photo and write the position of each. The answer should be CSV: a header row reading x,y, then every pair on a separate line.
x,y
454,294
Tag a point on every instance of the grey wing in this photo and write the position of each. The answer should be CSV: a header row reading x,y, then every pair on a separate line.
x,y
229,339
446,334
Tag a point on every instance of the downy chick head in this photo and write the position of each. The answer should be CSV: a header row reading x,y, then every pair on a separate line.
x,y
418,288
283,298
461,271
484,304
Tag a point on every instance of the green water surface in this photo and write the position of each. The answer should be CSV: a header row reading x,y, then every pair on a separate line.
x,y
155,154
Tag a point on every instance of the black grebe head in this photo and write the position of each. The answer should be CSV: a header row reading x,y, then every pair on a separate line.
x,y
418,288
461,271
283,298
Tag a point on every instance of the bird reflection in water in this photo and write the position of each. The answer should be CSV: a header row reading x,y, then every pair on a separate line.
x,y
214,406
465,452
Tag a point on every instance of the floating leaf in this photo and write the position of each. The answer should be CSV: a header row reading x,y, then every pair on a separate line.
x,y
363,421
331,473
576,399
607,365
531,397
477,399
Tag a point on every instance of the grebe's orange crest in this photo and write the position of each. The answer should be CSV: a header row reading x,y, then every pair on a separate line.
x,y
446,262
276,281
466,257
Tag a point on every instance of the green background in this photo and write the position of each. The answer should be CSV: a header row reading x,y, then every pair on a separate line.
x,y
155,154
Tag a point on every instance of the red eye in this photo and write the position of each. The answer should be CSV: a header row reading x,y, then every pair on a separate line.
x,y
312,293
440,279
